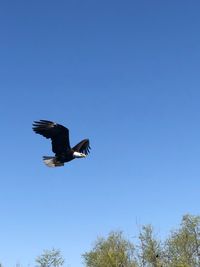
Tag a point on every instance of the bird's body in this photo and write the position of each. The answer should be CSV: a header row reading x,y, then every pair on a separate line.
x,y
59,136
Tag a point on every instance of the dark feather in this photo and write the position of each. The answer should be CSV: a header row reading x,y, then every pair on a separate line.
x,y
83,147
58,134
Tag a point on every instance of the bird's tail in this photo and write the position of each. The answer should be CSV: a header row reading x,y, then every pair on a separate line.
x,y
52,161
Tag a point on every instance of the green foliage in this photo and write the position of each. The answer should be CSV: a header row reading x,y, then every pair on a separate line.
x,y
50,258
150,251
115,251
182,248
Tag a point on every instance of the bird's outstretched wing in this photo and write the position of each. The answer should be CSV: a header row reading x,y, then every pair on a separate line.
x,y
83,147
58,134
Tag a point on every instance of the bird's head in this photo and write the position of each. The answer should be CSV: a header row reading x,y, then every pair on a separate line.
x,y
79,155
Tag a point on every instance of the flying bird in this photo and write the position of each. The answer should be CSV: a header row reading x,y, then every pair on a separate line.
x,y
59,136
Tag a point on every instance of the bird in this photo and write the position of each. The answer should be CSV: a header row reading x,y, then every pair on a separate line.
x,y
59,136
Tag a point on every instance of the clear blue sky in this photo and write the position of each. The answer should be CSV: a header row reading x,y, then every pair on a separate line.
x,y
126,75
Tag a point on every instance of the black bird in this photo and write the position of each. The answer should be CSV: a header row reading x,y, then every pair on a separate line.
x,y
59,136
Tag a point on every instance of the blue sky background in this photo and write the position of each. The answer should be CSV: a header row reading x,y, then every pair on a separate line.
x,y
126,75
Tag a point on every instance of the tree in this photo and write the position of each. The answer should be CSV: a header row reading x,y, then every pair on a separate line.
x,y
50,258
150,249
115,251
182,248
